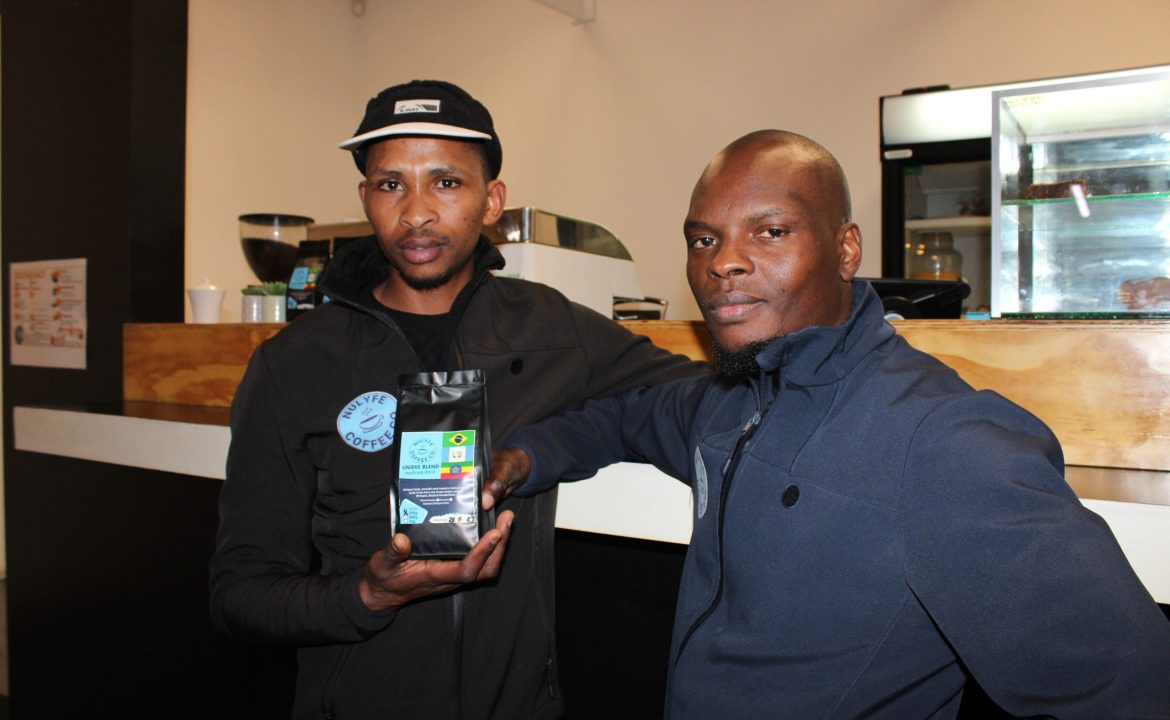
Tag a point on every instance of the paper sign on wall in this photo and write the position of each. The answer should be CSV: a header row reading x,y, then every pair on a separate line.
x,y
48,323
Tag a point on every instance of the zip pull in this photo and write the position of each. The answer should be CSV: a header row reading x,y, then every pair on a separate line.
x,y
748,431
744,435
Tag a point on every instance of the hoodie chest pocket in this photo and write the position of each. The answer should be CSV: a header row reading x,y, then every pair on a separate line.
x,y
352,495
791,542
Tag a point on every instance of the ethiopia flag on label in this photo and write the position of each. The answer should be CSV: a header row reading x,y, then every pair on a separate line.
x,y
457,471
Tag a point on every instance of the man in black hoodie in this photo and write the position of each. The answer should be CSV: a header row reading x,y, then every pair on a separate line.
x,y
304,555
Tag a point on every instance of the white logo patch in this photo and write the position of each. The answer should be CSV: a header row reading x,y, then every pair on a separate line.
x,y
700,484
405,107
366,423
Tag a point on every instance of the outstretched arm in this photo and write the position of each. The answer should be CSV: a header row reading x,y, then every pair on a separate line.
x,y
649,425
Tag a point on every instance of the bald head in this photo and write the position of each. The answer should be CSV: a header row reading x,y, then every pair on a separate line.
x,y
759,149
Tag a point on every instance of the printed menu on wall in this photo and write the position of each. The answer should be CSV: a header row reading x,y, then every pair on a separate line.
x,y
48,323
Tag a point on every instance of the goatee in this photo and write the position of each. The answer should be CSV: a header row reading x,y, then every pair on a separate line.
x,y
738,364
425,283
430,283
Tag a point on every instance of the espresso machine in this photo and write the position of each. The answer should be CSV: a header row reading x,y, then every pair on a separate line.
x,y
583,260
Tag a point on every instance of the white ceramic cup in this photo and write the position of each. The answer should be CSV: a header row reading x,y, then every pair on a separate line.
x,y
205,303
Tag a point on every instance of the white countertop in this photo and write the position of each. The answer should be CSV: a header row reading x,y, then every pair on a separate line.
x,y
194,441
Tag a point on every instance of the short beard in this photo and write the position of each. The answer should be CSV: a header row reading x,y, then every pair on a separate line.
x,y
433,282
429,283
738,364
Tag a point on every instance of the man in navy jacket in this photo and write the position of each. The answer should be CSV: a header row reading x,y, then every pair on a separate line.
x,y
868,529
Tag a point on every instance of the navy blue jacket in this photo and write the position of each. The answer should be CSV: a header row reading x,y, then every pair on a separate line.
x,y
866,525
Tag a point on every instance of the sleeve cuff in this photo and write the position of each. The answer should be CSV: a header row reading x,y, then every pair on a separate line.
x,y
535,483
364,619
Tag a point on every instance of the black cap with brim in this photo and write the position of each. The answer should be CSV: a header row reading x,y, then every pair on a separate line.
x,y
428,108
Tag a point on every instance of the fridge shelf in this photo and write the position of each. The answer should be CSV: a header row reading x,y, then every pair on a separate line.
x,y
1141,219
954,222
1091,199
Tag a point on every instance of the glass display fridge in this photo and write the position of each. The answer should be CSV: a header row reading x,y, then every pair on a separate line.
x,y
1081,201
936,188
938,184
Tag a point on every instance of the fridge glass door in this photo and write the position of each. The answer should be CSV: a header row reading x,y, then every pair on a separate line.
x,y
1081,208
947,223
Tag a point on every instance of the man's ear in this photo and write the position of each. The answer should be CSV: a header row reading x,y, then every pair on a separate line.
x,y
497,195
849,241
362,192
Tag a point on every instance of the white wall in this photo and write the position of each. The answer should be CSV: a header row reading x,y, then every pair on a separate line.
x,y
610,121
272,87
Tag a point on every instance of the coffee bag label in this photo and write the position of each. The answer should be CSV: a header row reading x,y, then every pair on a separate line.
x,y
436,476
420,456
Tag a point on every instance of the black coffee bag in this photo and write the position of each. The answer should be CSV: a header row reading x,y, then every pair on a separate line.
x,y
443,455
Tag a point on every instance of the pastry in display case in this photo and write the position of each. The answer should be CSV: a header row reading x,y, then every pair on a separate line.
x,y
1081,198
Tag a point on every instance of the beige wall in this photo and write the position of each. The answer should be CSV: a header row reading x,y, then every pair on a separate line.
x,y
611,120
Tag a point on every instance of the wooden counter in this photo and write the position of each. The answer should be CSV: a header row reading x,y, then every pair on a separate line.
x,y
1102,386
189,364
202,364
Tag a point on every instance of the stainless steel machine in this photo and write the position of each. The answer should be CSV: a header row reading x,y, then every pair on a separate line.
x,y
583,260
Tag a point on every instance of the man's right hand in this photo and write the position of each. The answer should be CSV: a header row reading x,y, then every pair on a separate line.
x,y
510,468
392,579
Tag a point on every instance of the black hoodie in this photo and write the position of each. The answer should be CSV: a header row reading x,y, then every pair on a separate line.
x,y
302,509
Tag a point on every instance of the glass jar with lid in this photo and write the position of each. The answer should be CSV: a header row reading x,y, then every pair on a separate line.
x,y
935,257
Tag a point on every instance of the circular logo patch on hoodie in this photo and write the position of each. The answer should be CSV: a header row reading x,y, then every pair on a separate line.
x,y
366,423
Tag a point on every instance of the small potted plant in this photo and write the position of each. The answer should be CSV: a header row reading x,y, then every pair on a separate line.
x,y
252,307
274,301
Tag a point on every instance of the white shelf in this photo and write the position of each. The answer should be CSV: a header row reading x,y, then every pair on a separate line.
x,y
654,506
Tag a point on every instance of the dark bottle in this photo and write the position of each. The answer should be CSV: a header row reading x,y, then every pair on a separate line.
x,y
303,291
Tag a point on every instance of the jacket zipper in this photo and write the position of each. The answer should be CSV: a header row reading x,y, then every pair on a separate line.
x,y
549,632
729,468
457,617
332,681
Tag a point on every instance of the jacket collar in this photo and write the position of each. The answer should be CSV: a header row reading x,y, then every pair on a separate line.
x,y
356,269
824,355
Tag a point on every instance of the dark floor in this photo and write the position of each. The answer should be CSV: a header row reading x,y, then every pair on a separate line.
x,y
976,704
